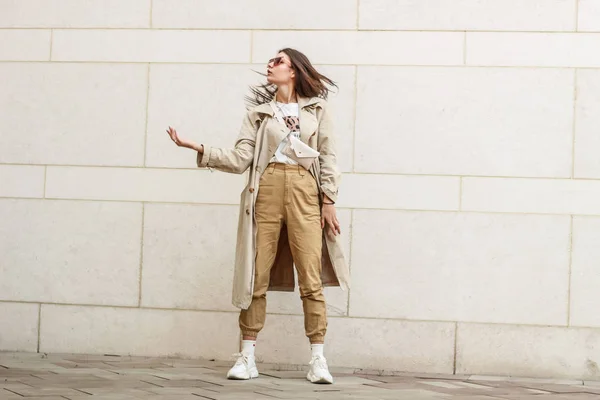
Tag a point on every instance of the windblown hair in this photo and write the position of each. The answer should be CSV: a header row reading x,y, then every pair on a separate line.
x,y
309,82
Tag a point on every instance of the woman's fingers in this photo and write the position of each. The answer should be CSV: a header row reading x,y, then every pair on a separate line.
x,y
173,134
337,226
322,221
332,225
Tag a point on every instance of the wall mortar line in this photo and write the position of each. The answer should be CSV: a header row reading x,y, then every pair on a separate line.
x,y
141,256
570,272
576,15
354,117
455,348
574,123
350,259
147,113
39,334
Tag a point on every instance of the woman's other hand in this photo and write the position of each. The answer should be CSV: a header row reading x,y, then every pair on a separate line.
x,y
329,218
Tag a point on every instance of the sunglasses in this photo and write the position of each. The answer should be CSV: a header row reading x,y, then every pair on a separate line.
x,y
276,61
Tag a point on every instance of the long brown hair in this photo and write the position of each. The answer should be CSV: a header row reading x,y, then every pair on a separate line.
x,y
309,82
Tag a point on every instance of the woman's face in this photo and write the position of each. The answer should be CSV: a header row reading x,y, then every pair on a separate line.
x,y
279,70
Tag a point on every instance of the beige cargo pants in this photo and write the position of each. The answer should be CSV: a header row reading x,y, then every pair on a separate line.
x,y
288,194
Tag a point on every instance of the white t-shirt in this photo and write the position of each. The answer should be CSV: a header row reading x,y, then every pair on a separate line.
x,y
292,121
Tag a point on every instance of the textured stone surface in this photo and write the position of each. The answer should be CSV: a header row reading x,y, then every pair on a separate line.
x,y
458,266
535,351
70,251
73,114
478,15
112,377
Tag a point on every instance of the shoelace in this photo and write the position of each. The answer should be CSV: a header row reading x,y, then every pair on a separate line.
x,y
241,359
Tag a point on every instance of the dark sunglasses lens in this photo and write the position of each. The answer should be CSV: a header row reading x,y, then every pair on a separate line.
x,y
276,61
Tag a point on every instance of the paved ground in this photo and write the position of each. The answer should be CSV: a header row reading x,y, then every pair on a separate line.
x,y
33,376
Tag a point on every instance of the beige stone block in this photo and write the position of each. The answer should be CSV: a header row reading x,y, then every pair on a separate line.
x,y
585,274
197,84
352,47
189,253
341,101
245,14
24,45
143,184
464,121
477,15
531,351
70,252
92,114
21,181
362,343
587,140
400,192
335,297
459,266
383,344
75,13
19,328
548,196
193,111
119,45
530,49
283,341
143,332
588,16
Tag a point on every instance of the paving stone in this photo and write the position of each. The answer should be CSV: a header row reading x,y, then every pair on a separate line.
x,y
551,381
36,398
556,388
13,386
100,397
49,391
108,377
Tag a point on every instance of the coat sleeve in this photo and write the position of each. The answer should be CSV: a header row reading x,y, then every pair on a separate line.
x,y
240,157
330,174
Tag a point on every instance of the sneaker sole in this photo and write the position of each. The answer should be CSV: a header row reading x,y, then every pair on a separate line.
x,y
314,379
252,375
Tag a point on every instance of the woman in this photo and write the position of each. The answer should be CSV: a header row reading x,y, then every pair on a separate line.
x,y
287,210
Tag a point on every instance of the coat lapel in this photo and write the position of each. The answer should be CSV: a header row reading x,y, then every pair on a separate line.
x,y
308,124
308,121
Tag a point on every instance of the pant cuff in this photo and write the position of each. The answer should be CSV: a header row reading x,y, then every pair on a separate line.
x,y
319,338
250,333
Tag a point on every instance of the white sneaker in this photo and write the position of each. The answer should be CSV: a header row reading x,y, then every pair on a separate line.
x,y
319,372
244,368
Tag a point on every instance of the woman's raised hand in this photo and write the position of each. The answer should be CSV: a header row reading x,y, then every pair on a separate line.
x,y
179,141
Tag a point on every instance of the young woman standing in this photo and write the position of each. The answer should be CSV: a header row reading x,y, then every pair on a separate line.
x,y
287,210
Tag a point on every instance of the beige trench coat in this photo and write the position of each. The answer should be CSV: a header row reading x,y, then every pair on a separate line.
x,y
259,137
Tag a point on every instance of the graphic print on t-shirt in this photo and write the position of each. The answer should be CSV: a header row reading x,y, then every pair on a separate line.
x,y
293,124
289,116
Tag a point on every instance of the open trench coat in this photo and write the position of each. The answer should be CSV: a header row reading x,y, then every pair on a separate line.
x,y
259,137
